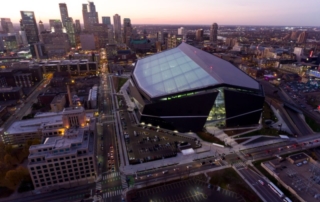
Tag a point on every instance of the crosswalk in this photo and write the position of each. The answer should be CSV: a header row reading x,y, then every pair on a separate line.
x,y
124,182
239,164
109,176
98,186
112,193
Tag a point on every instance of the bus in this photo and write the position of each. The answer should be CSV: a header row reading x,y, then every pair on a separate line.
x,y
287,199
275,189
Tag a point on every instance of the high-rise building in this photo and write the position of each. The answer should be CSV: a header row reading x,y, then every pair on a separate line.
x,y
56,26
181,31
117,27
41,27
85,16
6,25
127,30
199,35
90,15
8,41
64,13
214,32
29,25
106,20
302,37
22,38
70,31
77,27
160,37
100,32
56,44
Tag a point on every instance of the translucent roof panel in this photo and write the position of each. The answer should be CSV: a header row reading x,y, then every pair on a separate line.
x,y
170,72
187,68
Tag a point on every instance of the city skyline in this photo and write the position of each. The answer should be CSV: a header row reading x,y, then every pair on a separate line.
x,y
224,12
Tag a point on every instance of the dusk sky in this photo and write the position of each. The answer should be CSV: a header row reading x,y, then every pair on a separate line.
x,y
224,12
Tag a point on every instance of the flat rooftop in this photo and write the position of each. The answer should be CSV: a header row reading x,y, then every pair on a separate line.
x,y
299,156
32,125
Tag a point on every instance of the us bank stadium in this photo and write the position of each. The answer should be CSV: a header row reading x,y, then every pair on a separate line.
x,y
185,88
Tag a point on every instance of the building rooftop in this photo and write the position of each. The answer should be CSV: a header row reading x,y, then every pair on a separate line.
x,y
32,125
299,156
187,68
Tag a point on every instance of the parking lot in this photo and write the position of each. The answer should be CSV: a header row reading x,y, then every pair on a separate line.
x,y
190,190
148,143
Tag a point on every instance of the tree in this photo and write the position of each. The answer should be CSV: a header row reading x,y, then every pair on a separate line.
x,y
10,160
13,178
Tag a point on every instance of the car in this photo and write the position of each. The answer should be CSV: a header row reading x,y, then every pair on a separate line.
x,y
299,164
261,182
165,171
150,175
189,166
305,162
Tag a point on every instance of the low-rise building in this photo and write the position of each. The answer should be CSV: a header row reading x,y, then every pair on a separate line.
x,y
63,162
58,103
45,125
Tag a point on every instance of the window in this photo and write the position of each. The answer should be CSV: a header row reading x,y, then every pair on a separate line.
x,y
54,178
49,160
55,160
45,171
33,173
74,161
72,178
61,180
70,170
67,157
40,176
37,185
54,182
88,175
68,162
57,168
63,167
58,172
56,164
39,171
50,165
44,166
43,184
62,163
61,159
32,168
51,170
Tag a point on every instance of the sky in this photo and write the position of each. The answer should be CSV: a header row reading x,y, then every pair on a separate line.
x,y
202,12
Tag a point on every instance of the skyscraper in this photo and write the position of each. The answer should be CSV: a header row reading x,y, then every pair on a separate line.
x,y
199,34
78,27
106,20
56,26
117,27
181,31
64,13
41,27
90,16
85,16
6,25
214,32
29,25
70,31
127,30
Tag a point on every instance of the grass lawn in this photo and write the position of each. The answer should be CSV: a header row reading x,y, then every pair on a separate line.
x,y
209,138
229,179
312,123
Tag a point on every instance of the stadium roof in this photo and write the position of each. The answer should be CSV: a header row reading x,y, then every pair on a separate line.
x,y
187,68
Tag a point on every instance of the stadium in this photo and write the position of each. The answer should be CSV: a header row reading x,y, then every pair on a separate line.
x,y
185,88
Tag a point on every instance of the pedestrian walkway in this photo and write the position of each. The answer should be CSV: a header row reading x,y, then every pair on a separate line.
x,y
98,186
124,182
239,165
109,176
111,193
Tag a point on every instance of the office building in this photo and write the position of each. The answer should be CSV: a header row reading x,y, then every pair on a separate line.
x,y
77,27
28,24
106,20
56,26
117,28
7,26
160,37
87,42
90,16
181,31
173,41
22,38
56,44
41,27
127,31
64,13
199,35
58,103
186,88
64,161
9,42
70,31
11,93
100,32
214,32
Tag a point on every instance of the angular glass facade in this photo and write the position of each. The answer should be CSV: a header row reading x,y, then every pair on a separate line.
x,y
217,114
170,72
